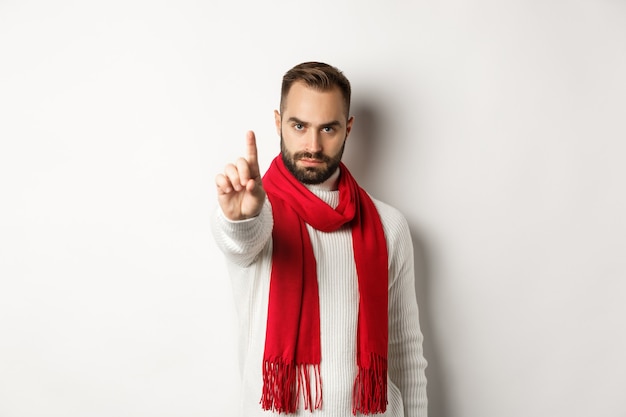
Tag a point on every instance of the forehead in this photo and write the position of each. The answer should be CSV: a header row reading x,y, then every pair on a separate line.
x,y
311,104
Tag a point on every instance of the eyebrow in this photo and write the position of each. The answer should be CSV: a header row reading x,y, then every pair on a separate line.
x,y
333,123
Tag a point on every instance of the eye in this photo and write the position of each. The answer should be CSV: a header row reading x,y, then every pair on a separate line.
x,y
298,126
327,129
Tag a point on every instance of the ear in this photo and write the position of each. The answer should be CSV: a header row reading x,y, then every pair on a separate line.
x,y
349,126
277,121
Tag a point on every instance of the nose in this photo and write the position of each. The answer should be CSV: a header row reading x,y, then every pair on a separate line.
x,y
313,141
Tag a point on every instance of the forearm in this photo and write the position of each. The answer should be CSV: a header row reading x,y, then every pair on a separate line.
x,y
406,359
242,241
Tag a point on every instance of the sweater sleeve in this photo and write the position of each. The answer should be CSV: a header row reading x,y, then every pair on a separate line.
x,y
406,361
241,241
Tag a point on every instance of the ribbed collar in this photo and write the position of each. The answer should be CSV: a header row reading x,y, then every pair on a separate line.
x,y
327,191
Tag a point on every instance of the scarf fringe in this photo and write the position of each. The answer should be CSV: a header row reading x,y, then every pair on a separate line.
x,y
370,387
284,382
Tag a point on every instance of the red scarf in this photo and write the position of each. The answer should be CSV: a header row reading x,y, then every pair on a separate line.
x,y
292,342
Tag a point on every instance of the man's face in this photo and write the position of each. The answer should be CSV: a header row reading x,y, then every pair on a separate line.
x,y
313,128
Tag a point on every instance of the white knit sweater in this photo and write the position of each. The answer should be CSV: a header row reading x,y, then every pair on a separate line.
x,y
247,246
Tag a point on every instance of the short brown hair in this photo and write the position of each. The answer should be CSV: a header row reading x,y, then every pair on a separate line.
x,y
317,75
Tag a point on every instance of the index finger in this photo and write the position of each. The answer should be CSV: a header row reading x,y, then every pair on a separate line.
x,y
252,154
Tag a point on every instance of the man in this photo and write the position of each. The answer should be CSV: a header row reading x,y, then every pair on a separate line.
x,y
322,274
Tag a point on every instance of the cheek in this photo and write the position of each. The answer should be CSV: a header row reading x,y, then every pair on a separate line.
x,y
294,139
337,145
289,143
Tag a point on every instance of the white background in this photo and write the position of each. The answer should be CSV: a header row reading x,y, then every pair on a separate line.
x,y
496,127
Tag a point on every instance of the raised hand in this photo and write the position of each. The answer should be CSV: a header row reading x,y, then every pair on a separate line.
x,y
240,191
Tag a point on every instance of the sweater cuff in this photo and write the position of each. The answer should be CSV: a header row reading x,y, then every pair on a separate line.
x,y
248,228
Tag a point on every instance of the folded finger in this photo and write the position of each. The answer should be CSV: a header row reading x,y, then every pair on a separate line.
x,y
232,174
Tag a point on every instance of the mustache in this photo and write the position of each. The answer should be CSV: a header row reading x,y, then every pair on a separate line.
x,y
311,155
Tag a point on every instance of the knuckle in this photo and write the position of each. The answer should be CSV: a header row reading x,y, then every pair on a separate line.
x,y
242,163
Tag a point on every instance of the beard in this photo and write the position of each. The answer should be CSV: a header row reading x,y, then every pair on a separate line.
x,y
311,175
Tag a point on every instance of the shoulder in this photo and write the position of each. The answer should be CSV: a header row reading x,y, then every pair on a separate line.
x,y
398,239
394,222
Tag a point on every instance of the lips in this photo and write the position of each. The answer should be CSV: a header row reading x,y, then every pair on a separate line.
x,y
311,162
